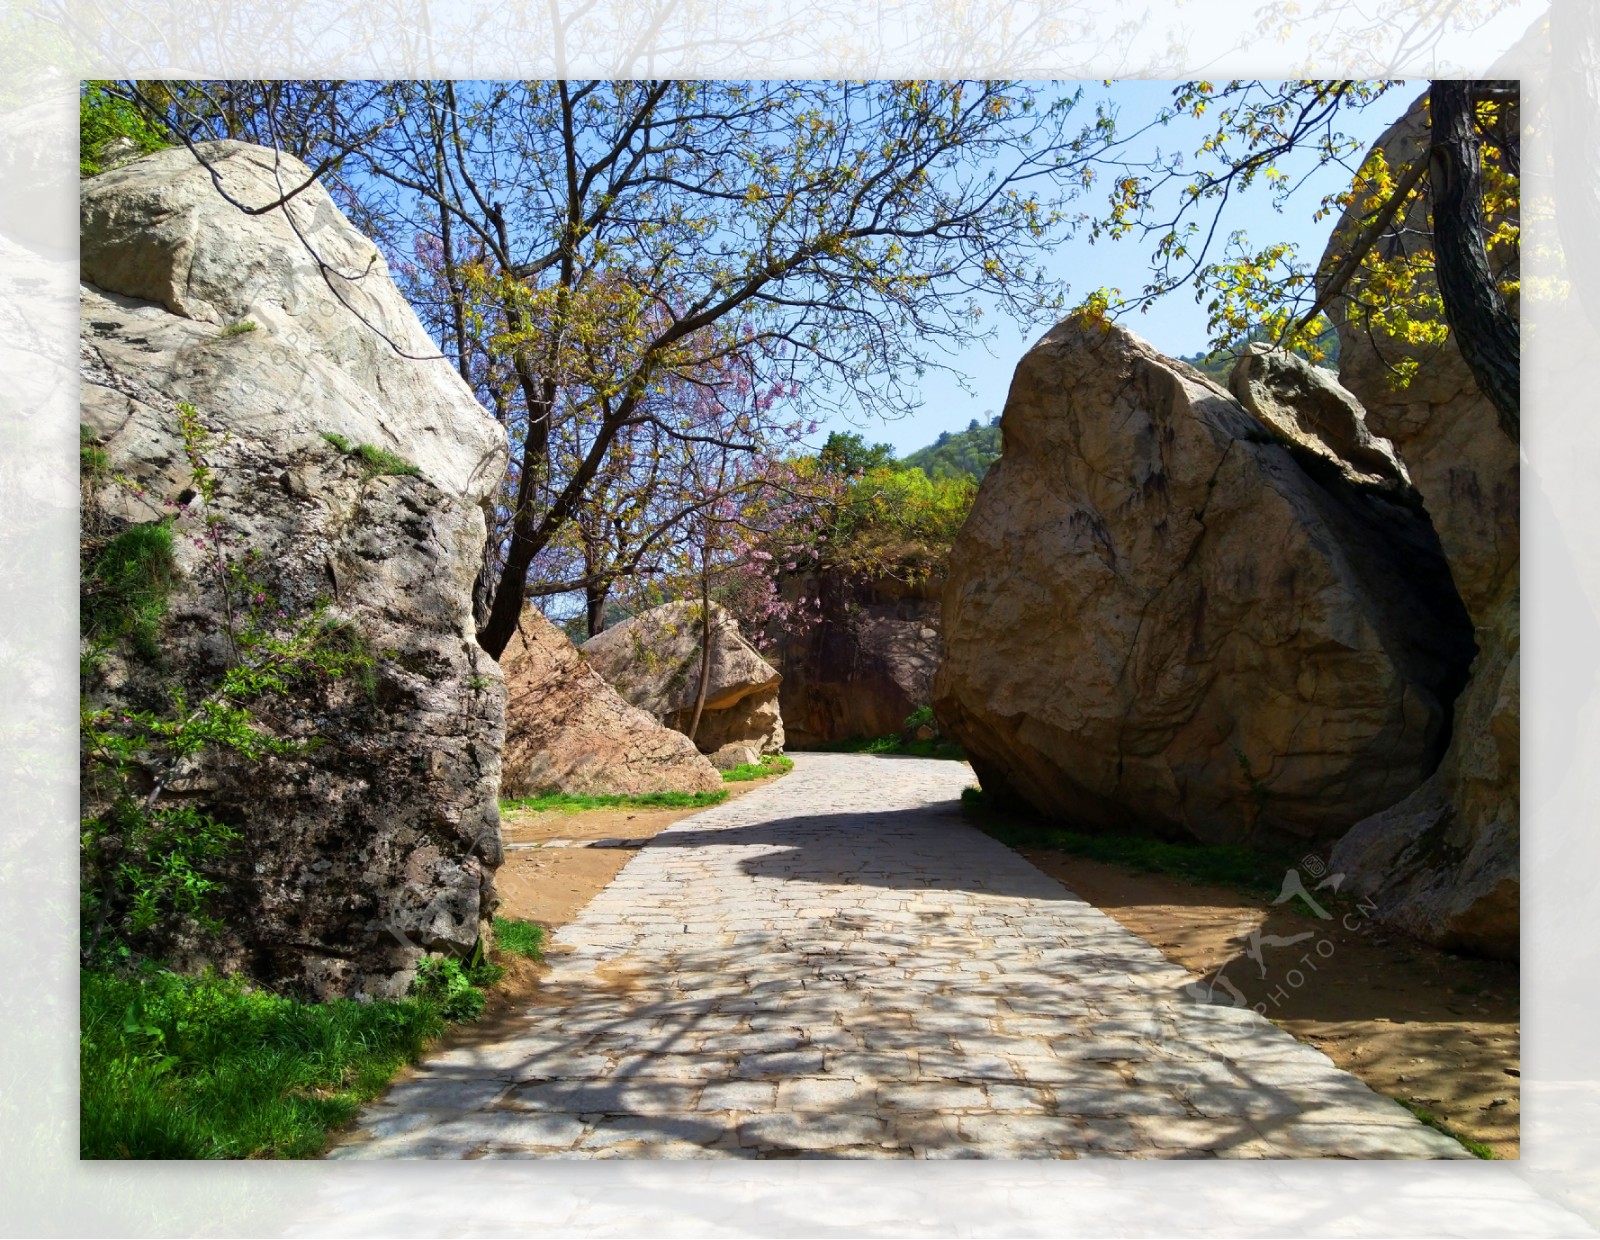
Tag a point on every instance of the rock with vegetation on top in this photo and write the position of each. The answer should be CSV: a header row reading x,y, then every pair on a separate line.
x,y
1444,863
865,663
1158,617
567,730
348,467
653,660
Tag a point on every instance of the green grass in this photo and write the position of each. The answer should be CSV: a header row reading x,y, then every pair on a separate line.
x,y
207,1067
240,328
1476,1148
893,746
92,458
572,803
374,461
770,764
126,592
1222,865
520,938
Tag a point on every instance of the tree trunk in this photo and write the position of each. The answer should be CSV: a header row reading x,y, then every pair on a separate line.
x,y
1485,331
705,652
594,596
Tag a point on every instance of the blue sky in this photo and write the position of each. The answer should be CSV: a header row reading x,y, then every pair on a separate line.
x,y
1175,325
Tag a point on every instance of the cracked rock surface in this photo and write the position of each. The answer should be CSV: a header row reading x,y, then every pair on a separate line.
x,y
381,837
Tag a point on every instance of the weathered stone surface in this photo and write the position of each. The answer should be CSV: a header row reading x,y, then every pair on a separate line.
x,y
653,660
865,664
1321,423
1443,864
383,839
569,731
730,756
1156,617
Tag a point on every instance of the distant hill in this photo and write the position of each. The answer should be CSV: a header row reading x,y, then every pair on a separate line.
x,y
1218,365
955,454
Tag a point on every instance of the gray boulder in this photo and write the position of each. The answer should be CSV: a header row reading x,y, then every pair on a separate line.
x,y
352,467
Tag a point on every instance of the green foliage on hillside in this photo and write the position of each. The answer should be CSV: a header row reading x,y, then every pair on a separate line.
x,y
847,453
1219,365
959,454
103,117
896,521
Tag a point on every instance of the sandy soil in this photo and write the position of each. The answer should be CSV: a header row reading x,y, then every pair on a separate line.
x,y
1414,1023
549,885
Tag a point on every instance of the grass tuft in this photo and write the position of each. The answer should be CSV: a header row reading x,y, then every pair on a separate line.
x,y
569,802
380,461
1476,1148
375,461
128,587
770,764
520,938
240,328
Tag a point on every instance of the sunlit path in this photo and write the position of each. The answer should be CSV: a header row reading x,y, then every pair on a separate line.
x,y
836,965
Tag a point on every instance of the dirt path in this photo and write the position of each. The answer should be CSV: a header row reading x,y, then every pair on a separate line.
x,y
836,965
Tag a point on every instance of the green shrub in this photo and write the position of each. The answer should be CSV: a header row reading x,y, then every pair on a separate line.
x,y
239,328
445,984
893,746
377,461
92,459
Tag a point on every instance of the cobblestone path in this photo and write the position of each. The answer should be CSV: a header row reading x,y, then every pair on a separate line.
x,y
835,965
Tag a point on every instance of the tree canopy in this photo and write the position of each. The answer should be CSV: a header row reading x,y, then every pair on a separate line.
x,y
587,251
1422,251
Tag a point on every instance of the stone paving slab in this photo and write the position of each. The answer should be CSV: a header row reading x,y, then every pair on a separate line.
x,y
836,965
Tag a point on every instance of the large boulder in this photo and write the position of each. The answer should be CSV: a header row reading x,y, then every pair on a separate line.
x,y
864,663
653,660
300,360
1444,863
569,731
1164,613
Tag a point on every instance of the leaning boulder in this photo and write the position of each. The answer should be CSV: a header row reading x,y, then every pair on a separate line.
x,y
865,663
1157,617
569,731
257,386
653,660
1444,863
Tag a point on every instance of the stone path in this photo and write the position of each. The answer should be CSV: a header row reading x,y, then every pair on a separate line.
x,y
835,965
